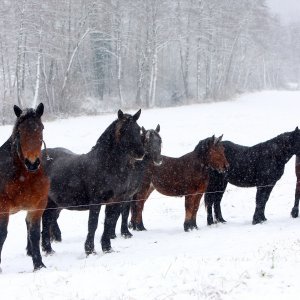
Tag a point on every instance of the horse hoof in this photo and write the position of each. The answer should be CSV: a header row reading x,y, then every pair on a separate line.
x,y
210,222
254,222
141,228
56,239
90,253
112,236
295,213
49,253
127,235
221,220
108,250
39,267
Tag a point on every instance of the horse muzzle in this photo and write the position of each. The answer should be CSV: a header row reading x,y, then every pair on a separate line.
x,y
139,155
32,166
158,161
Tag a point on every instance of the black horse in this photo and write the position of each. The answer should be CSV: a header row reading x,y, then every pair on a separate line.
x,y
295,210
258,166
102,176
152,145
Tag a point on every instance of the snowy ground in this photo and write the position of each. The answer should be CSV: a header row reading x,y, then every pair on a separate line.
x,y
226,261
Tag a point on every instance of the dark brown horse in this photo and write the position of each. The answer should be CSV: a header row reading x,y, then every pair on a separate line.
x,y
186,176
23,184
295,210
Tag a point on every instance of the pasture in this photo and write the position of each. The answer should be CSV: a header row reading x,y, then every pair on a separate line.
x,y
235,260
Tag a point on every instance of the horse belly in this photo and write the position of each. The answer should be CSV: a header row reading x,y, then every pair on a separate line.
x,y
181,187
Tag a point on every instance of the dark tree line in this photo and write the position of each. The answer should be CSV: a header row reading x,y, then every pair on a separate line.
x,y
85,56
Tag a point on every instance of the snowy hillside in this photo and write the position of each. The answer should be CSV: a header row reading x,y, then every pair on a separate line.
x,y
235,260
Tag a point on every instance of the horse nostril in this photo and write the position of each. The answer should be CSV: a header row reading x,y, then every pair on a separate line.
x,y
32,166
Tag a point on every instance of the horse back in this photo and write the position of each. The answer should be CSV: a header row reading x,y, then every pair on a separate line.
x,y
252,166
68,177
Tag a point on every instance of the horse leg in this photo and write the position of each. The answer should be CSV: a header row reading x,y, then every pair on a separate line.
x,y
133,210
4,217
213,196
48,218
124,226
92,226
262,196
295,210
138,207
189,205
112,213
55,232
197,199
33,221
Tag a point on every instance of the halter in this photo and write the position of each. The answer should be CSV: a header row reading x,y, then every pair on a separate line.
x,y
46,151
18,145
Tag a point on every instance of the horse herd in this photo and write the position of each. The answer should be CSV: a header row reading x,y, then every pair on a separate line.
x,y
121,171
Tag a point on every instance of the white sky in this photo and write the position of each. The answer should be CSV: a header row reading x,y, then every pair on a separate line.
x,y
288,10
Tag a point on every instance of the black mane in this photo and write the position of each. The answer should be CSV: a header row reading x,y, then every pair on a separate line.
x,y
106,139
202,147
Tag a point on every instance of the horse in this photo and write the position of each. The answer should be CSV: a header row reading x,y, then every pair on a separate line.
x,y
186,176
295,210
152,145
101,176
261,166
23,182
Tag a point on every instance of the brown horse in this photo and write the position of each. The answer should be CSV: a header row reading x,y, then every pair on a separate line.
x,y
186,176
23,183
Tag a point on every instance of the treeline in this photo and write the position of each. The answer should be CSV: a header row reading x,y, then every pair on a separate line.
x,y
90,56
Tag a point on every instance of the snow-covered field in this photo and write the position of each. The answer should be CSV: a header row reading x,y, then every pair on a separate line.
x,y
235,260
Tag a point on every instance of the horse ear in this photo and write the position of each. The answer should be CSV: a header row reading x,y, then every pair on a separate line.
x,y
157,128
297,129
144,130
18,111
40,110
218,140
211,141
137,115
120,114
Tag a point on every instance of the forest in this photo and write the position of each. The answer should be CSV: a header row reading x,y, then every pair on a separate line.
x,y
93,56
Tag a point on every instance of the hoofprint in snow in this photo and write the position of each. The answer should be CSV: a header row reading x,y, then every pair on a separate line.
x,y
235,260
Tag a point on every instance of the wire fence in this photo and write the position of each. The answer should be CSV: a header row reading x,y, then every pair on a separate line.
x,y
87,206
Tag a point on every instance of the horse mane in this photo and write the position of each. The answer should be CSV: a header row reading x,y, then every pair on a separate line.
x,y
202,147
281,140
110,136
106,139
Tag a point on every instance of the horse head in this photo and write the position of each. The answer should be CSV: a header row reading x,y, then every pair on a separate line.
x,y
128,135
28,136
216,159
152,144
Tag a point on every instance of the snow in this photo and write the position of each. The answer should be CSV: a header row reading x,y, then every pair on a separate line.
x,y
235,260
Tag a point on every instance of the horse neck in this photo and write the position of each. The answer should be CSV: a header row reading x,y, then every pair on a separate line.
x,y
283,153
107,150
201,158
